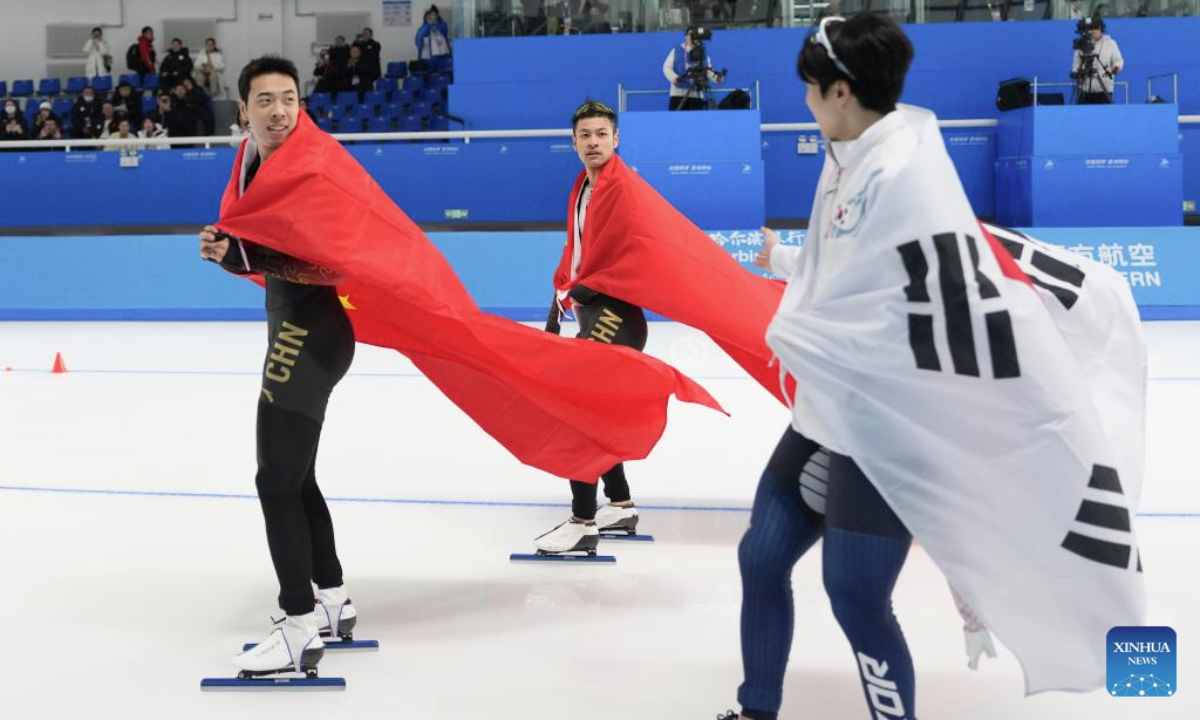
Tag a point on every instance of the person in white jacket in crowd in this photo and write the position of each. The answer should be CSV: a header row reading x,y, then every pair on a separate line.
x,y
209,70
99,59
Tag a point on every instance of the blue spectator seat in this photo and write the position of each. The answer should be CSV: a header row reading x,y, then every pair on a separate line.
x,y
149,102
362,113
410,123
3,88
22,88
441,63
325,124
350,124
414,84
422,109
374,99
404,98
150,82
386,85
392,111
319,102
130,78
102,83
397,69
76,84
380,125
439,123
31,111
50,86
62,107
337,112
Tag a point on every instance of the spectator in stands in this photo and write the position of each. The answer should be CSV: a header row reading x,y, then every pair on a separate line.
x,y
128,102
188,113
146,57
106,122
329,78
45,112
1095,79
239,130
175,66
200,105
170,118
680,70
433,37
50,129
85,114
360,76
14,122
596,22
151,129
99,59
371,51
339,55
210,64
123,132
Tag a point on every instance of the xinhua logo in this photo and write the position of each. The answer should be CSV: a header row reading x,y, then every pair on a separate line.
x,y
1141,662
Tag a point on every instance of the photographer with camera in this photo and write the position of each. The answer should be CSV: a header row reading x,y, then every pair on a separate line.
x,y
1097,61
689,70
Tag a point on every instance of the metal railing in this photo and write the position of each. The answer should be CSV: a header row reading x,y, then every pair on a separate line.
x,y
623,94
224,141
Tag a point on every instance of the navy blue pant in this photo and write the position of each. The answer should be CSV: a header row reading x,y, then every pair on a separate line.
x,y
864,548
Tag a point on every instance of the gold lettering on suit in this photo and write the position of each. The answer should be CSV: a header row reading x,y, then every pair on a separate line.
x,y
606,327
286,349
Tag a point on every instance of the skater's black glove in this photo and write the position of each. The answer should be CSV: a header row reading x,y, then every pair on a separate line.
x,y
552,324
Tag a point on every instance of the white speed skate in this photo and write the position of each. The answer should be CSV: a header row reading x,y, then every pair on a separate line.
x,y
293,647
570,537
617,520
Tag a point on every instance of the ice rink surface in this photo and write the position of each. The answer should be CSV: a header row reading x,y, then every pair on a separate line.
x,y
134,561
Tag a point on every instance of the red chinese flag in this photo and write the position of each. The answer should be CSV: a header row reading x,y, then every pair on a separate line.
x,y
572,408
639,248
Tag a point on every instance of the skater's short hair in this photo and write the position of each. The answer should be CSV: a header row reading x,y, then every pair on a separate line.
x,y
868,51
593,109
266,65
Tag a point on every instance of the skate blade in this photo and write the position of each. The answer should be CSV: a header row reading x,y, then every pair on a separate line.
x,y
340,646
269,683
533,557
625,536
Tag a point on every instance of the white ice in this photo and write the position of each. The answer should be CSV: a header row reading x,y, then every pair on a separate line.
x,y
115,604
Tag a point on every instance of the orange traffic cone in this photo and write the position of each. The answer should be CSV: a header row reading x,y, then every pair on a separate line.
x,y
59,365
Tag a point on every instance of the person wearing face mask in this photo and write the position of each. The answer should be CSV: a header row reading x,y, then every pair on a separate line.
x,y
85,114
14,122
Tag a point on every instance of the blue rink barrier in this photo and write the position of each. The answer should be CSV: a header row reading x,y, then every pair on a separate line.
x,y
160,277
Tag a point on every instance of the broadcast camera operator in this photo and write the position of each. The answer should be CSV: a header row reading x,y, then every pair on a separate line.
x,y
1097,61
689,70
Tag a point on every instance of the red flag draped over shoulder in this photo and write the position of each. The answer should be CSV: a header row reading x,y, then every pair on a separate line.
x,y
639,248
538,395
